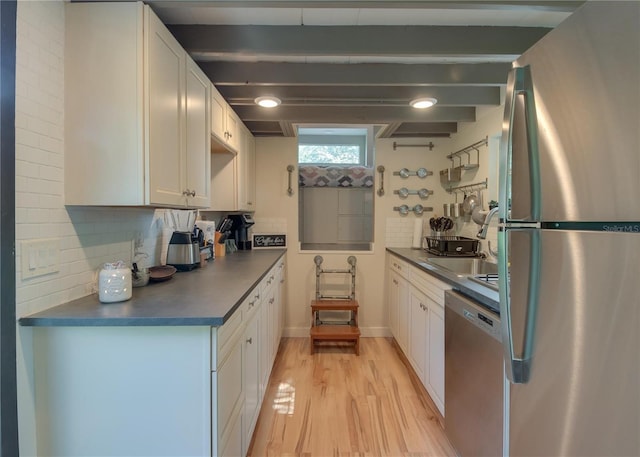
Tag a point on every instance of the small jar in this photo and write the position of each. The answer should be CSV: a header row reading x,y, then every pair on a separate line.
x,y
114,283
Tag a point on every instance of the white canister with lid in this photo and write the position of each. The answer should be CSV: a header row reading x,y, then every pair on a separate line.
x,y
114,282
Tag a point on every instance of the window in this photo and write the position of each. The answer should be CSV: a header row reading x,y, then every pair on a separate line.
x,y
335,146
336,202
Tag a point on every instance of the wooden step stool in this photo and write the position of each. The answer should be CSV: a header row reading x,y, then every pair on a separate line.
x,y
341,331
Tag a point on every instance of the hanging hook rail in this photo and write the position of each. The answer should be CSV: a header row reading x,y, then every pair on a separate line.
x,y
429,145
381,189
290,169
465,150
475,186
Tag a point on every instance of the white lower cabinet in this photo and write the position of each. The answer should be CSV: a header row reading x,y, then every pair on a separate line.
x,y
185,390
230,397
234,446
419,333
251,381
435,383
416,320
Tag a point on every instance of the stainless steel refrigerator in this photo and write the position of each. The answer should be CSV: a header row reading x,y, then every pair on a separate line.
x,y
569,238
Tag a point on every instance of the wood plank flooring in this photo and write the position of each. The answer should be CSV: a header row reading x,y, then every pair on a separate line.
x,y
334,403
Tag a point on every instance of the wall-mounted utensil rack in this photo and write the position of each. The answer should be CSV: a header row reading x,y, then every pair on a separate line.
x,y
403,192
417,209
467,151
381,189
420,173
470,187
429,145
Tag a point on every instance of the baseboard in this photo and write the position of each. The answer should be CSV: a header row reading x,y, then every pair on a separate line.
x,y
365,332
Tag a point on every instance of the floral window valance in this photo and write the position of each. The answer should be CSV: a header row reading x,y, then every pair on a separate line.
x,y
335,176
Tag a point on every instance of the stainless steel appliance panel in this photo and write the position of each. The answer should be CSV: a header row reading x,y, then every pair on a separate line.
x,y
584,389
584,77
473,377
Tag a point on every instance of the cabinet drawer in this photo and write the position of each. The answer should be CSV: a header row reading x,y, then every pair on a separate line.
x,y
429,285
250,305
399,266
268,281
222,338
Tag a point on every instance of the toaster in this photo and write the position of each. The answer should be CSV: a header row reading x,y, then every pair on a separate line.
x,y
183,252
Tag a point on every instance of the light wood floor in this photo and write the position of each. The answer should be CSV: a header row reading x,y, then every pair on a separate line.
x,y
334,403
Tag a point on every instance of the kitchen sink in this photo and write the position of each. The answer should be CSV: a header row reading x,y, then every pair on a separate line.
x,y
464,266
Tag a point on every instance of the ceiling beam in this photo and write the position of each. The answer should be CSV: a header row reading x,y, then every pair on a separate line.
x,y
355,115
410,128
311,74
541,5
446,96
418,129
372,40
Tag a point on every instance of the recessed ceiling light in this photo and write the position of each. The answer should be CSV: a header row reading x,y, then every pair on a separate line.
x,y
268,101
422,103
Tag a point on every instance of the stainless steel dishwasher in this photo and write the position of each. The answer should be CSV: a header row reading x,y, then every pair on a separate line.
x,y
474,377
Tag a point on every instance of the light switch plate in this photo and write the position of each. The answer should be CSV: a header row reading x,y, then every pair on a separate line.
x,y
40,257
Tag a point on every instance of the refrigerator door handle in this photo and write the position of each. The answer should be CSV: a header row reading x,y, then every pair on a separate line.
x,y
519,82
518,366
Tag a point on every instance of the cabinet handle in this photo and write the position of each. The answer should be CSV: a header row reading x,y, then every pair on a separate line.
x,y
189,193
257,296
281,281
395,282
271,301
193,193
251,303
249,340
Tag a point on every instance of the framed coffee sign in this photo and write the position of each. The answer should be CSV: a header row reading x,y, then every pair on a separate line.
x,y
269,240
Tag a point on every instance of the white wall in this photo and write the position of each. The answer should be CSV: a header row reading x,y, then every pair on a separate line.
x,y
390,229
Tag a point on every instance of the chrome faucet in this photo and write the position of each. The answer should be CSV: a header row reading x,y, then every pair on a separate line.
x,y
482,234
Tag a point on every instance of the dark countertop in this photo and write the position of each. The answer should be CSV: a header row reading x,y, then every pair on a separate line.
x,y
204,296
483,294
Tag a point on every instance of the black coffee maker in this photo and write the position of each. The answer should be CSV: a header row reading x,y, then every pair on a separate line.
x,y
240,230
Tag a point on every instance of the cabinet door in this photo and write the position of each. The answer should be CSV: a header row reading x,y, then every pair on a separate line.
x,y
418,333
264,344
224,195
218,115
392,301
246,170
251,379
229,394
198,137
233,129
250,172
403,314
435,384
166,123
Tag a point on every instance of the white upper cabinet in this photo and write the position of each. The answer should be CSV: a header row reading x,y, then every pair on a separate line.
x,y
198,90
233,171
224,122
136,111
246,170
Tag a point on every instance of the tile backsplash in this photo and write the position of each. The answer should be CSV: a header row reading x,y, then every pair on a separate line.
x,y
87,237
